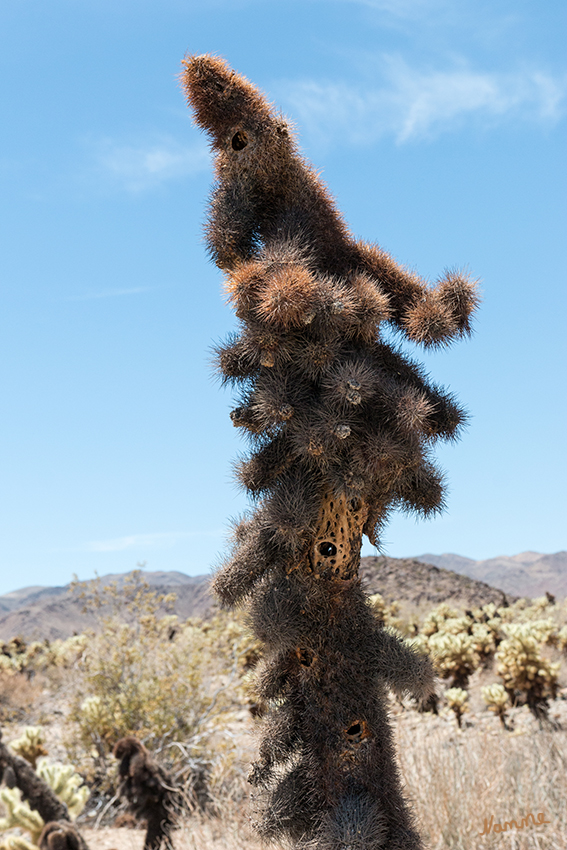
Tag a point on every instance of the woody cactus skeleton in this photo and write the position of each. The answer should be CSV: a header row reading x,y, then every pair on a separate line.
x,y
340,424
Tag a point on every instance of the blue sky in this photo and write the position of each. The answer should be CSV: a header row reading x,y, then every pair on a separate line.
x,y
439,126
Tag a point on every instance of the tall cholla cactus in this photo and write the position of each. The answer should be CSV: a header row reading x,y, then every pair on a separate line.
x,y
340,424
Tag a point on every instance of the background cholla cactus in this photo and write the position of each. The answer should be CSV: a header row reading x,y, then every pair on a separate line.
x,y
389,614
17,656
30,745
497,699
13,655
66,783
63,653
436,619
460,643
484,642
524,610
19,815
487,628
341,425
526,673
62,779
454,656
457,700
562,639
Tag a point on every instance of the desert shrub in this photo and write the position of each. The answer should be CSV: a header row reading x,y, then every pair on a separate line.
x,y
174,685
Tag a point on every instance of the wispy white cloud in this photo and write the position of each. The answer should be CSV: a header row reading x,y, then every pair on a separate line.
x,y
141,166
159,540
413,103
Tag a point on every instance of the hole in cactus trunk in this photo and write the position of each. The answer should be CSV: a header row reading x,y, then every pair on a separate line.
x,y
239,141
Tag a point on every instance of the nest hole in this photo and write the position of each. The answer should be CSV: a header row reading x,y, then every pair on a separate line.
x,y
239,140
327,549
356,732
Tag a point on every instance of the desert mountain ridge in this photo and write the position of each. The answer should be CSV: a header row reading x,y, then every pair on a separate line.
x,y
529,574
37,613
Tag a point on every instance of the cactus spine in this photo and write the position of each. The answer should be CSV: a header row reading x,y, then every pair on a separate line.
x,y
340,424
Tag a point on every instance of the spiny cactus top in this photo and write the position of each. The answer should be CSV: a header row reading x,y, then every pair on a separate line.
x,y
341,425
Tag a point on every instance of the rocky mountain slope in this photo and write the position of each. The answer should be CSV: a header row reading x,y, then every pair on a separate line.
x,y
36,613
420,585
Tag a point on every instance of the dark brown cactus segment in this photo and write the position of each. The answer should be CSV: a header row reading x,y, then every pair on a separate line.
x,y
149,790
61,835
58,833
341,424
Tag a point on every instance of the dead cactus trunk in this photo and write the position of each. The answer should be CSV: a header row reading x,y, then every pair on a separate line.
x,y
340,424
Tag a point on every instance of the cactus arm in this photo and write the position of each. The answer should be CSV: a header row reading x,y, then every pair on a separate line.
x,y
404,669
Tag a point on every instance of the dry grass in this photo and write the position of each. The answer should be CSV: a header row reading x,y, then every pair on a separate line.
x,y
234,834
457,779
197,833
454,778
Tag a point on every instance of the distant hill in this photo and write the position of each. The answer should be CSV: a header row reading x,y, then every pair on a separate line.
x,y
36,613
528,574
